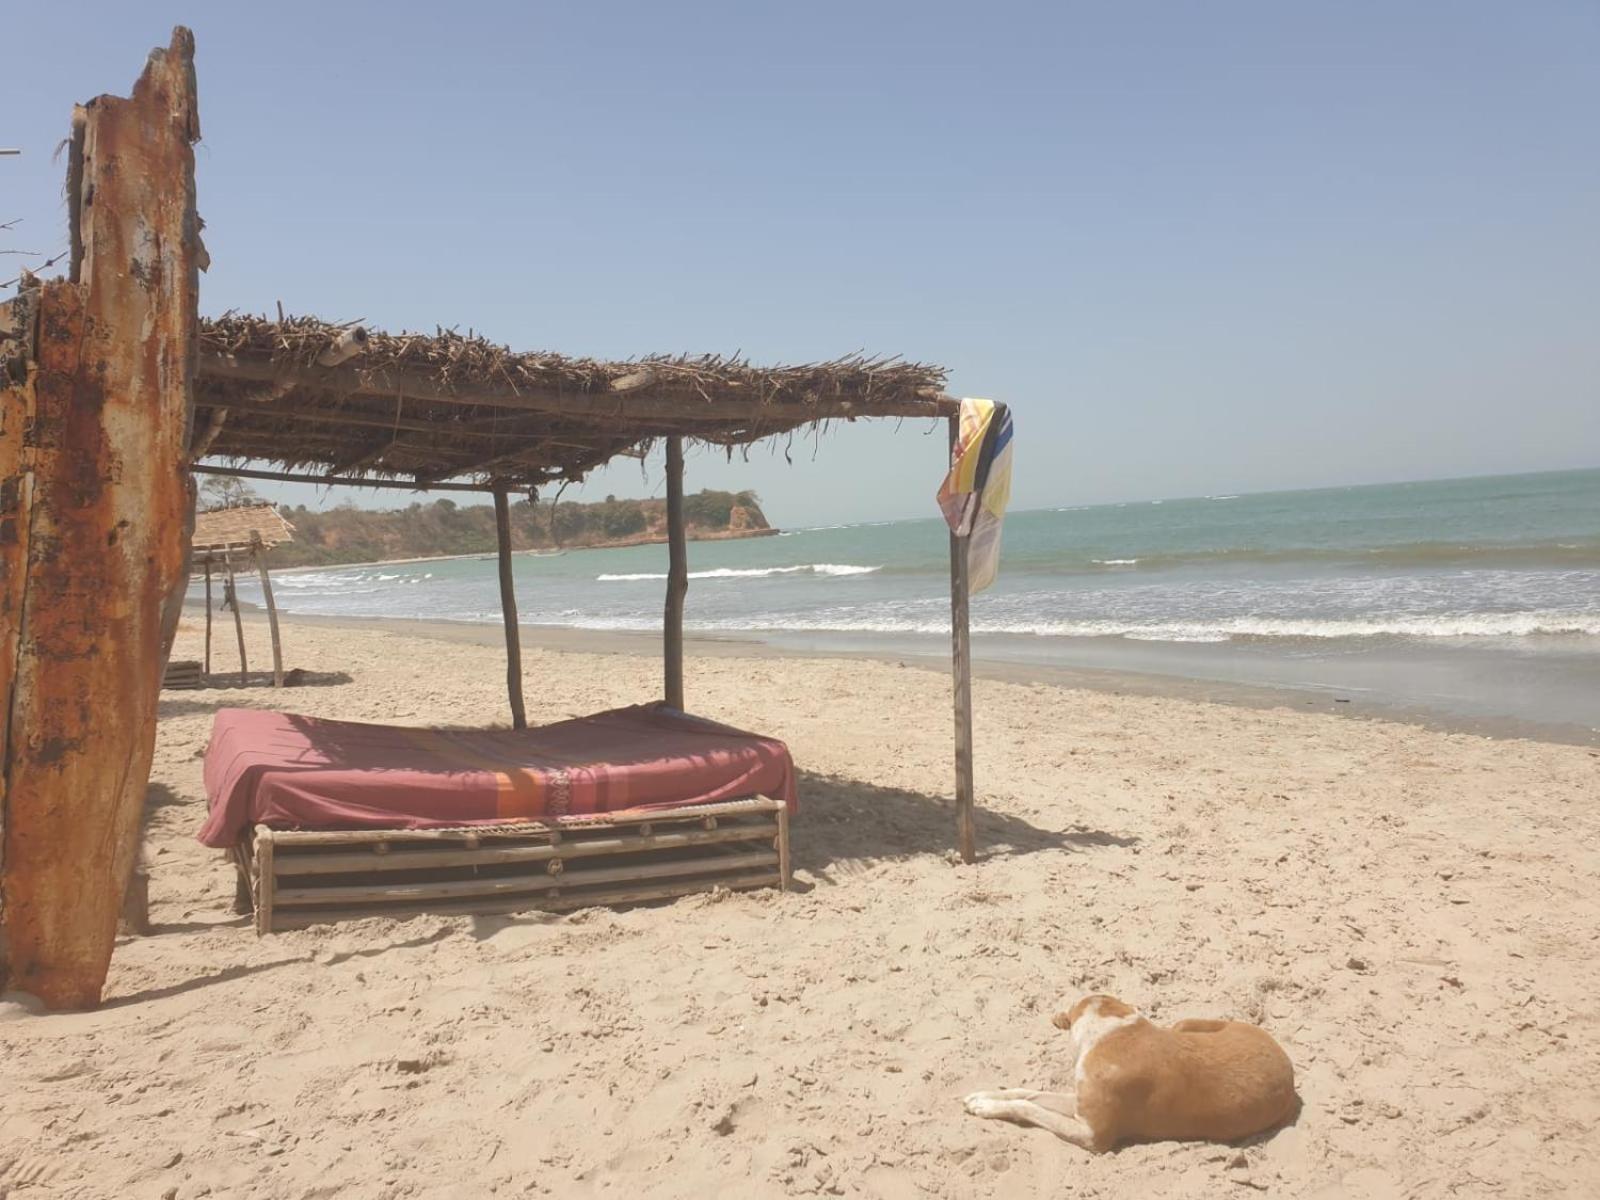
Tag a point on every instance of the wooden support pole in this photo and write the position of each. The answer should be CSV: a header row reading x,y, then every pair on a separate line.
x,y
677,576
508,609
259,552
208,620
961,653
231,597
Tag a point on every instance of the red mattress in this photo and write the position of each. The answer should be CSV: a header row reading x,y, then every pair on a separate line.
x,y
293,772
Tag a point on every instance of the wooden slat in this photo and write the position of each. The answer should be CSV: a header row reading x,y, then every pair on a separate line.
x,y
563,825
513,884
303,918
266,884
290,864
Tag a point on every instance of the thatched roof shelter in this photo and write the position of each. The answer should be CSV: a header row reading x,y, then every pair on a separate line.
x,y
305,400
344,404
244,525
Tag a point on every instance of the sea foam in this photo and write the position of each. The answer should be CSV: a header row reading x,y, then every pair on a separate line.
x,y
746,572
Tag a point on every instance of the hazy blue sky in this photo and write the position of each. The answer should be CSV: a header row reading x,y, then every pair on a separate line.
x,y
1199,247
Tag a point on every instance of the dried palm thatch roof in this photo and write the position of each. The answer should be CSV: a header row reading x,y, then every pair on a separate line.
x,y
241,526
341,403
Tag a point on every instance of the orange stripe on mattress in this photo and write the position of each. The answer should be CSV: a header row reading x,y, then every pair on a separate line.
x,y
519,789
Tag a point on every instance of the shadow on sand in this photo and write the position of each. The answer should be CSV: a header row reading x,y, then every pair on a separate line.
x,y
847,821
244,971
226,691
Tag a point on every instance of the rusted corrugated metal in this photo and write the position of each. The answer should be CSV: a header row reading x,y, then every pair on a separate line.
x,y
106,535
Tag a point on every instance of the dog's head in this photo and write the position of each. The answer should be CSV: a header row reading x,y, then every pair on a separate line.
x,y
1091,1006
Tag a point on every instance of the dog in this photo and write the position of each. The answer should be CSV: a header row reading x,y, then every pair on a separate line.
x,y
1214,1081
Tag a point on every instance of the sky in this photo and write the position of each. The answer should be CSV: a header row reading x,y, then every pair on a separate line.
x,y
1198,248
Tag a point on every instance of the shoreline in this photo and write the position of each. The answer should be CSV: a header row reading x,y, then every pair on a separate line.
x,y
1118,681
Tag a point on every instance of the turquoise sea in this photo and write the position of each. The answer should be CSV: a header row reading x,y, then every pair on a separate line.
x,y
1487,586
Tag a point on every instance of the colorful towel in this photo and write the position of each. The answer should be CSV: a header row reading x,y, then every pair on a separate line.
x,y
293,772
975,493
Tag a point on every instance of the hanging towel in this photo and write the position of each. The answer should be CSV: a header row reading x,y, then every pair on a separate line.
x,y
974,494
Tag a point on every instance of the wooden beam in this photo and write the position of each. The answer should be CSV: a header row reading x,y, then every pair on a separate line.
x,y
508,610
490,464
338,480
677,576
259,552
109,520
641,405
961,653
362,420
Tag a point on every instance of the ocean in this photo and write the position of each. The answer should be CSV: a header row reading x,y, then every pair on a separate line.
x,y
1474,596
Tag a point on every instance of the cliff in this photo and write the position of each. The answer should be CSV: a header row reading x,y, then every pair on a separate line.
x,y
353,535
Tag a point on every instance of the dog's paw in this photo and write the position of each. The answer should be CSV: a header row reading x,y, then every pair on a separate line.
x,y
981,1104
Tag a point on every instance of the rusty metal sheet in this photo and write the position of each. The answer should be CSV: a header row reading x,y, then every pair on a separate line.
x,y
107,536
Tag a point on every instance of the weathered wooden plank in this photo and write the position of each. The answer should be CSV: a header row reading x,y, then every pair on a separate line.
x,y
730,811
358,861
107,537
16,502
378,891
303,918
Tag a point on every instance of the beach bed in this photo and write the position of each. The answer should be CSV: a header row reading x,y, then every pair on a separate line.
x,y
331,820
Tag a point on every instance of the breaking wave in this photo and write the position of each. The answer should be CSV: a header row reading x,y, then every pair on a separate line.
x,y
747,572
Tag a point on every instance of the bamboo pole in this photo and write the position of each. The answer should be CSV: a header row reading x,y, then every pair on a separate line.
x,y
238,621
508,609
208,619
257,552
677,576
961,653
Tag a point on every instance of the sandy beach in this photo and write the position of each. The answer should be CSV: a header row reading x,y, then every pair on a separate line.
x,y
1410,911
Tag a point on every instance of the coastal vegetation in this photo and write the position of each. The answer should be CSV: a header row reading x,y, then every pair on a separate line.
x,y
348,534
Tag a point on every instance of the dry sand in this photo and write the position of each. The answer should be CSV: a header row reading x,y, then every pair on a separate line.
x,y
1414,914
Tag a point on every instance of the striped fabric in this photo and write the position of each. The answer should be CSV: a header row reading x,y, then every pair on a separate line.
x,y
975,493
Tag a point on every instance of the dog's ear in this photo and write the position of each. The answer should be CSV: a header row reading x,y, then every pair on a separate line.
x,y
1065,1018
1103,1006
1110,1006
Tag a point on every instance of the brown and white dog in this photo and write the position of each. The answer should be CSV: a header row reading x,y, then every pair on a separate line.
x,y
1216,1081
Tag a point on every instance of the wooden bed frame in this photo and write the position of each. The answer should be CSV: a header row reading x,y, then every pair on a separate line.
x,y
292,879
